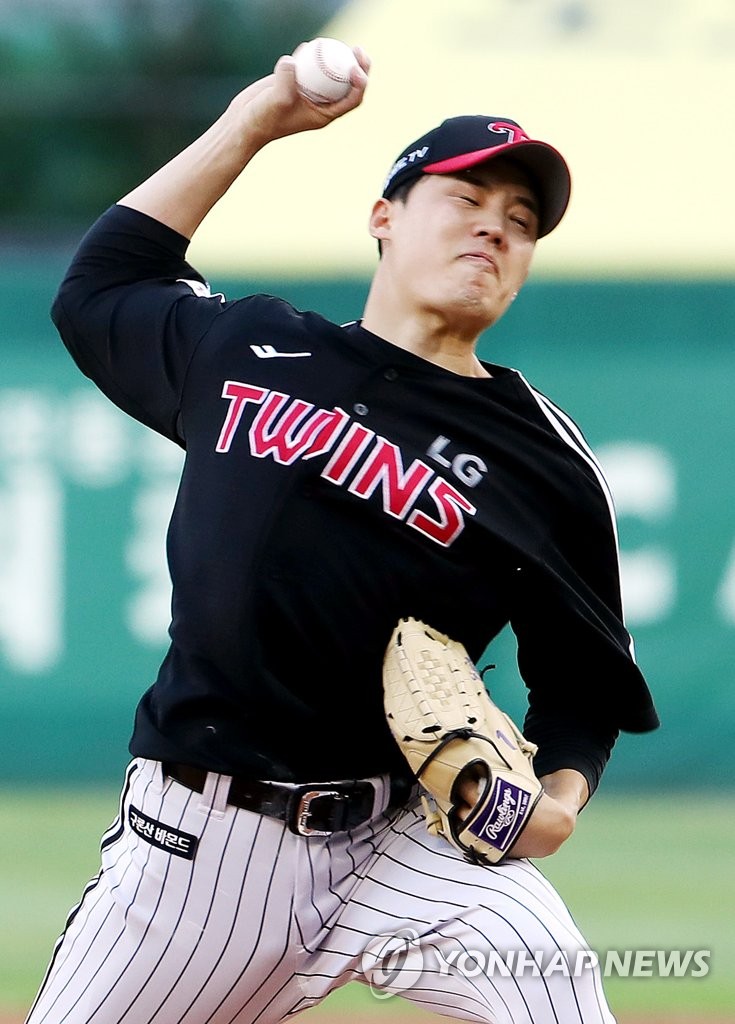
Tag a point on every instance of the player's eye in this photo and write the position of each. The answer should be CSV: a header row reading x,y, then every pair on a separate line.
x,y
524,222
469,200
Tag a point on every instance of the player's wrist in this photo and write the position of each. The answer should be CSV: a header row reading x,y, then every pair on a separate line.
x,y
244,126
550,825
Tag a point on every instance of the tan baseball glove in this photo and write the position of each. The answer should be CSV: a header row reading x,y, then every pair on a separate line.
x,y
448,730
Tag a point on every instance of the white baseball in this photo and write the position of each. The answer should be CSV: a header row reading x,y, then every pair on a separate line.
x,y
323,69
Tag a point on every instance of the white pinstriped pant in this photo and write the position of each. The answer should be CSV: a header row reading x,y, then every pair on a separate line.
x,y
262,924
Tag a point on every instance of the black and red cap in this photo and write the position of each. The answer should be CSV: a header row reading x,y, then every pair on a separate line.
x,y
462,142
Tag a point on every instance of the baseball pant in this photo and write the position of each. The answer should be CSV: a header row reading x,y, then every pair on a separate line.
x,y
203,913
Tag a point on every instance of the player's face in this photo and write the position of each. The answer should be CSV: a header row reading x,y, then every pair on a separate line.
x,y
460,247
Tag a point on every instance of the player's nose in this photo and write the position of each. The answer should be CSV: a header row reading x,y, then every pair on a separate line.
x,y
491,225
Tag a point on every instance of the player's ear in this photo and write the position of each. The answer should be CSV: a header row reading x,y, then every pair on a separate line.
x,y
381,219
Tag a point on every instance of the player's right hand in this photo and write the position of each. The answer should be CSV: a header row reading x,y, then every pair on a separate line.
x,y
273,107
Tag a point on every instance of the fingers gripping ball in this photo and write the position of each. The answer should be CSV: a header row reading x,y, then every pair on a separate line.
x,y
448,728
323,69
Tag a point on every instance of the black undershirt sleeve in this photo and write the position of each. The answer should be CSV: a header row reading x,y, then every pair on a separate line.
x,y
567,742
573,658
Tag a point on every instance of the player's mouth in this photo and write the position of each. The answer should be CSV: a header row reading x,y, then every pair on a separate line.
x,y
482,259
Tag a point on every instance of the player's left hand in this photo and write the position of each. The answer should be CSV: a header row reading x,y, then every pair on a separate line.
x,y
449,731
552,820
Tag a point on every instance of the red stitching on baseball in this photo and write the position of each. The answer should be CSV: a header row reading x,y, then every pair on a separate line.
x,y
325,69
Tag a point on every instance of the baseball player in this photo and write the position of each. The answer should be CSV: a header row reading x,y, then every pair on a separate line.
x,y
337,478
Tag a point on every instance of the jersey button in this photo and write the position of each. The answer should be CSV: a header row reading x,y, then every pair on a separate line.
x,y
391,373
359,409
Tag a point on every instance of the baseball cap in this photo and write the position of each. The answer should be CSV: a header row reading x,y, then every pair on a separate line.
x,y
462,142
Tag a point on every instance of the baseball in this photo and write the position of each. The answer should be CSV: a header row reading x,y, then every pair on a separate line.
x,y
323,69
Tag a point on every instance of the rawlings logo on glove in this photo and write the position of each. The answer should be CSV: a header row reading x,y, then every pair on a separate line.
x,y
450,731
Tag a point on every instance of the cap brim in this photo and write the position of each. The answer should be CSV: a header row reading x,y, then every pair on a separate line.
x,y
547,166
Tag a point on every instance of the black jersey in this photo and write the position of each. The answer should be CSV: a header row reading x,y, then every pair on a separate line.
x,y
334,482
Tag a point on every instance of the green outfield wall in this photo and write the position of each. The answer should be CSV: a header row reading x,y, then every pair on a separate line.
x,y
647,369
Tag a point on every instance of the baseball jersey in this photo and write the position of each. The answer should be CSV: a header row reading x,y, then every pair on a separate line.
x,y
332,483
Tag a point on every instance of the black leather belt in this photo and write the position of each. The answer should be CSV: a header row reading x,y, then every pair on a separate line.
x,y
312,810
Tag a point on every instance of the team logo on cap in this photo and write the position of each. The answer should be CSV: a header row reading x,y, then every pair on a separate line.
x,y
513,133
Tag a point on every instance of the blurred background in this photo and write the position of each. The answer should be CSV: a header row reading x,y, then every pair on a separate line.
x,y
627,323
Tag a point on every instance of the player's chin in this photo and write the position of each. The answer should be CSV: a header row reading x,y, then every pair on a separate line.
x,y
481,307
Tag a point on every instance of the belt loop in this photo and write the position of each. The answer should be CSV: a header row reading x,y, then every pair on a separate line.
x,y
214,795
382,793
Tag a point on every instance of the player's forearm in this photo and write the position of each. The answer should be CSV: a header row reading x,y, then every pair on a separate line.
x,y
567,787
555,815
183,192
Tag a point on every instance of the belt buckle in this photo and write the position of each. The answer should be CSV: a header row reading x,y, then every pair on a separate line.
x,y
301,812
